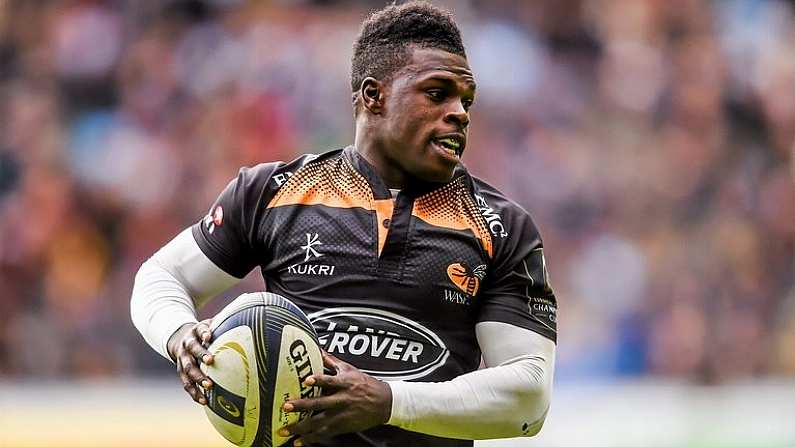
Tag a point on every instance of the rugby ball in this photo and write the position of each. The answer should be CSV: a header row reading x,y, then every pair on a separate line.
x,y
264,347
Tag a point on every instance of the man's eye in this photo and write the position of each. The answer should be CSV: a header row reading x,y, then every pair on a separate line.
x,y
467,103
436,95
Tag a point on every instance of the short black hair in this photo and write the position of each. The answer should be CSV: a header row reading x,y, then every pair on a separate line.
x,y
382,47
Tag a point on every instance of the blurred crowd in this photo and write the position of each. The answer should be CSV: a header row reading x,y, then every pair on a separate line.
x,y
651,140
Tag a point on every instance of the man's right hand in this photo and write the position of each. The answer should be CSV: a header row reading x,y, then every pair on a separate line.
x,y
187,347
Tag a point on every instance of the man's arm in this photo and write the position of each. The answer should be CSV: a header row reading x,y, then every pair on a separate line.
x,y
509,398
168,288
211,256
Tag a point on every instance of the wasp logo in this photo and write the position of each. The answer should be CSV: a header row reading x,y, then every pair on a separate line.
x,y
466,279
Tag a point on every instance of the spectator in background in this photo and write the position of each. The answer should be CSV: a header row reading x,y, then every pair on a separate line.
x,y
655,139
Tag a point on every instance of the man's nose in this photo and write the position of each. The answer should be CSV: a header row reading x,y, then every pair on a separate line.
x,y
458,115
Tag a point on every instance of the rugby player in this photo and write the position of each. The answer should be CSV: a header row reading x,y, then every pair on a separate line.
x,y
411,269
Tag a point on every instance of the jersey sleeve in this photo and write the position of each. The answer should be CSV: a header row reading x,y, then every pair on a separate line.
x,y
228,234
517,289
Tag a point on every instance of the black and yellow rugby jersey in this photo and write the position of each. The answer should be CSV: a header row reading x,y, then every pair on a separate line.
x,y
393,286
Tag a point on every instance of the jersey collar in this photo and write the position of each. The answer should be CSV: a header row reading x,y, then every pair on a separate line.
x,y
380,190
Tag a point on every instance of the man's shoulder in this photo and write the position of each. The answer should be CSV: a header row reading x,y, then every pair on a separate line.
x,y
500,211
273,174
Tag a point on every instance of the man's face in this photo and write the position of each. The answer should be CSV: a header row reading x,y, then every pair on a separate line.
x,y
426,114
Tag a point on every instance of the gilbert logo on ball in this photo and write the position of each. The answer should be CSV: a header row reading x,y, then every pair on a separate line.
x,y
264,348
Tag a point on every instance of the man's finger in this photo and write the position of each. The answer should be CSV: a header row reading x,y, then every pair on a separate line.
x,y
327,381
329,361
314,403
310,425
191,388
195,393
322,428
198,351
203,332
195,374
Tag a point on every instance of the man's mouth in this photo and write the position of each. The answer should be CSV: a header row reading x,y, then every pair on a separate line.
x,y
452,144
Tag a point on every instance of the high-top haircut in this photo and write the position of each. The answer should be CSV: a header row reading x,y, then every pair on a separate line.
x,y
382,47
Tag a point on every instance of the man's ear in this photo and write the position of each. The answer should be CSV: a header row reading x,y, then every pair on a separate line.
x,y
371,94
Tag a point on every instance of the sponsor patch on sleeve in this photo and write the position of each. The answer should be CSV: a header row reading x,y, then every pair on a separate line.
x,y
545,311
541,303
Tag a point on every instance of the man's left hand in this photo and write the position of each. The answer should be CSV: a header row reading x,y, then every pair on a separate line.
x,y
352,401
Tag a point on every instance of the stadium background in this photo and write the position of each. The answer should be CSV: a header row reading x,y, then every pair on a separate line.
x,y
652,141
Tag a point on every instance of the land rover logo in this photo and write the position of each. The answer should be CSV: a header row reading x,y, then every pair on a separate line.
x,y
380,343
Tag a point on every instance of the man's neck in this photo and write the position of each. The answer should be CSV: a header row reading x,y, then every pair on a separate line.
x,y
392,176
